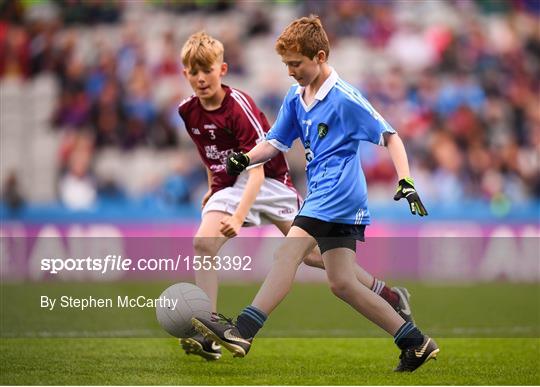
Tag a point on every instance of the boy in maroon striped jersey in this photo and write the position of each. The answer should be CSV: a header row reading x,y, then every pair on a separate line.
x,y
222,120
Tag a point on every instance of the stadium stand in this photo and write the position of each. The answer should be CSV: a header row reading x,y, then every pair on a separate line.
x,y
89,93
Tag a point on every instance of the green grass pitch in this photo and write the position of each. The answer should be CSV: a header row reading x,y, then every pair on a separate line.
x,y
488,334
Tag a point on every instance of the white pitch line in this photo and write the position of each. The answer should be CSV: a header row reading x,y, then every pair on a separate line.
x,y
305,333
83,334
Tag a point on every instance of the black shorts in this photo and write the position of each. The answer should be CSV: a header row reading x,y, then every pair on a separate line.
x,y
331,235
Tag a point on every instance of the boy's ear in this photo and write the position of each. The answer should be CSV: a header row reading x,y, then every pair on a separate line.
x,y
184,71
321,57
224,69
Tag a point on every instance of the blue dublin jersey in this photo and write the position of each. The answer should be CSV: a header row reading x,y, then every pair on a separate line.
x,y
331,129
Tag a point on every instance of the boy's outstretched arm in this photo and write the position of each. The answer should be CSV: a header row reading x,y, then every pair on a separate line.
x,y
236,163
230,225
406,183
262,152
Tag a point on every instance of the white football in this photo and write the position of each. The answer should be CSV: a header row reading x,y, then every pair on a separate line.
x,y
192,301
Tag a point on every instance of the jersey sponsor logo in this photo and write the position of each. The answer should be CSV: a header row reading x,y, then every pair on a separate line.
x,y
308,124
307,142
195,131
308,152
217,168
210,126
322,129
286,211
212,153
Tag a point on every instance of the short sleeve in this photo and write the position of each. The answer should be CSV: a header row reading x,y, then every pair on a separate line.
x,y
180,122
250,124
363,121
284,131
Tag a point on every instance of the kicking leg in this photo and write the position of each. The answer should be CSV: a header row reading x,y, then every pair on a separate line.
x,y
339,263
397,297
416,348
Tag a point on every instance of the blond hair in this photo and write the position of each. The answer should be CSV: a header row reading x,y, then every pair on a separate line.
x,y
305,36
201,50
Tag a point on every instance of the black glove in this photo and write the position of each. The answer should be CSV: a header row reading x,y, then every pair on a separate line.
x,y
406,190
236,163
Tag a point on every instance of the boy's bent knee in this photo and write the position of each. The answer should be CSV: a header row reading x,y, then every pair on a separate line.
x,y
341,287
204,245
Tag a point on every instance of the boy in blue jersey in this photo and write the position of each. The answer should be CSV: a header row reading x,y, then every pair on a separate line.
x,y
331,118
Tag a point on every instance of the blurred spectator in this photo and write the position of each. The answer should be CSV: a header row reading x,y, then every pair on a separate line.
x,y
74,142
90,11
447,177
102,73
271,98
77,187
73,110
14,52
107,116
169,130
234,52
11,194
459,91
139,108
410,48
259,23
12,10
174,190
42,50
169,62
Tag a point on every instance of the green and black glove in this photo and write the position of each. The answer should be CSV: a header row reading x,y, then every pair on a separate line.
x,y
406,190
237,163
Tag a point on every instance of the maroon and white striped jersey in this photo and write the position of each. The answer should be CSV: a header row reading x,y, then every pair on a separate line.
x,y
237,126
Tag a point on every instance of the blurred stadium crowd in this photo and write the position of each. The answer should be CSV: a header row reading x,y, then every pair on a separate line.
x,y
459,80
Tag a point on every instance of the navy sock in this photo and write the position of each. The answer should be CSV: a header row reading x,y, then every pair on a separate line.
x,y
250,321
408,336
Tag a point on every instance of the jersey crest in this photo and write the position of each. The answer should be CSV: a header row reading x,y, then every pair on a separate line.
x,y
322,129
